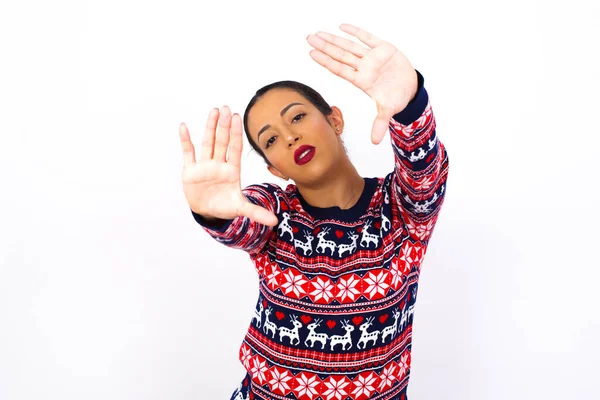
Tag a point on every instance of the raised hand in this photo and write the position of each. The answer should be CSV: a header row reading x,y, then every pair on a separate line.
x,y
380,70
212,185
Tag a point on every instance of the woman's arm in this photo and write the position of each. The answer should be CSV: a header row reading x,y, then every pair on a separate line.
x,y
242,232
387,76
238,218
421,161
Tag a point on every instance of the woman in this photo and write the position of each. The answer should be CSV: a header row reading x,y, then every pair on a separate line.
x,y
338,255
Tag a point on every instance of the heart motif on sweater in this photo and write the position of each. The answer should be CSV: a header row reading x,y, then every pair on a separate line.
x,y
264,303
280,315
306,319
331,324
295,229
357,320
284,206
339,234
383,318
377,224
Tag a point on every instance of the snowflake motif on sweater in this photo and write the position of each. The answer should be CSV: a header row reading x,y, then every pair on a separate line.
x,y
338,287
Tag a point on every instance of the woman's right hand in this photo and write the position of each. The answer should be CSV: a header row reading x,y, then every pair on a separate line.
x,y
212,185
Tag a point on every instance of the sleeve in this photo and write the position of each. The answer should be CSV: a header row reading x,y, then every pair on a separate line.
x,y
241,232
421,163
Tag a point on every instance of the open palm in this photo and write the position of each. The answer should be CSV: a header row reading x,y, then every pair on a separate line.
x,y
380,70
212,185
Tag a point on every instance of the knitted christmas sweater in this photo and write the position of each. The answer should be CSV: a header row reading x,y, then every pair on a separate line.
x,y
337,288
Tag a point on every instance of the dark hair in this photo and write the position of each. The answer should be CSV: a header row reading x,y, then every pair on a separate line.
x,y
306,91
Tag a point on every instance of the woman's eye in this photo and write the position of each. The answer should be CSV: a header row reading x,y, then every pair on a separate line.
x,y
299,115
296,118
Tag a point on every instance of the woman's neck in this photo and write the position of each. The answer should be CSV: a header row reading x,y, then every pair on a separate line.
x,y
342,189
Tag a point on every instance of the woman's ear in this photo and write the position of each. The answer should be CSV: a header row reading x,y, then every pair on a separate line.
x,y
336,119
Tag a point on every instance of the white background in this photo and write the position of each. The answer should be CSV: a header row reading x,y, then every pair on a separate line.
x,y
110,290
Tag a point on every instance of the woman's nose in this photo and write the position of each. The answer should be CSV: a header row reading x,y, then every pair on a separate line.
x,y
292,138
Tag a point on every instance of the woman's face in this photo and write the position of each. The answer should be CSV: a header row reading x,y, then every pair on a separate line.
x,y
282,121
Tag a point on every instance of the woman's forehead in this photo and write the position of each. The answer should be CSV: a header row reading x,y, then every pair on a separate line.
x,y
277,99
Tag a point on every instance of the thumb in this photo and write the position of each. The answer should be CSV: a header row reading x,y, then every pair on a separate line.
x,y
381,124
258,214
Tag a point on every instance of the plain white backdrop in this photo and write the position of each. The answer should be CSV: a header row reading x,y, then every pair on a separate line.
x,y
110,290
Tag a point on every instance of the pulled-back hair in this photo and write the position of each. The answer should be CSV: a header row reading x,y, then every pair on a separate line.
x,y
305,91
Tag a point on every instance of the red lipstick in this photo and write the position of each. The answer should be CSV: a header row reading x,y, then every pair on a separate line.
x,y
310,152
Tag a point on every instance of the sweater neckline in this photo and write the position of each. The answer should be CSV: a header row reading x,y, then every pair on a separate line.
x,y
335,212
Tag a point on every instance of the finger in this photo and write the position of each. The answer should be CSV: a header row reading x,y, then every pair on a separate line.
x,y
222,137
345,44
235,142
258,214
189,155
334,66
333,51
380,126
362,35
208,141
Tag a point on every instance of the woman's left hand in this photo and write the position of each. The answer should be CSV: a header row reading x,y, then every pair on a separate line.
x,y
380,70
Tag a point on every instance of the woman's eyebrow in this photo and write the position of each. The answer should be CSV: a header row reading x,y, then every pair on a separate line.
x,y
288,107
264,128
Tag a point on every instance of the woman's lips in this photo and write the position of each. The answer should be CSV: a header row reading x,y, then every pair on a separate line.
x,y
307,157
